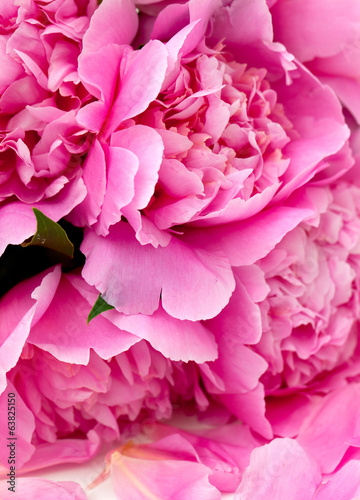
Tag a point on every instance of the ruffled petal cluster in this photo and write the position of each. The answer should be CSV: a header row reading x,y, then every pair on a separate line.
x,y
206,156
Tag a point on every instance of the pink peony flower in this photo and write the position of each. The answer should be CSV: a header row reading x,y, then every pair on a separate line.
x,y
310,315
80,385
199,131
42,145
212,174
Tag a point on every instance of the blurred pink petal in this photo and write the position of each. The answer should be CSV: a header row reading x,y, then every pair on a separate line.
x,y
279,470
43,489
165,469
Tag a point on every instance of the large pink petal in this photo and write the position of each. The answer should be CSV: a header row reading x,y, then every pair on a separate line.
x,y
343,485
140,84
194,283
279,470
102,84
317,117
240,320
326,30
333,423
244,23
64,333
112,22
167,469
17,316
178,340
249,407
248,241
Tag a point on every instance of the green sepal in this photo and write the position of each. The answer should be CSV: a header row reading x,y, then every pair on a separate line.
x,y
99,307
51,235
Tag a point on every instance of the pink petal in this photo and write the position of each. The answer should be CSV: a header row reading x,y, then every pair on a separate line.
x,y
140,84
113,22
63,331
18,316
279,470
131,277
101,84
333,423
94,177
178,340
43,489
233,21
148,147
249,408
344,484
326,31
19,223
122,166
317,116
240,319
248,241
64,451
166,469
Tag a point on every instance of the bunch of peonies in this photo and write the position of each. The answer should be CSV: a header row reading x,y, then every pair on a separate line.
x,y
208,154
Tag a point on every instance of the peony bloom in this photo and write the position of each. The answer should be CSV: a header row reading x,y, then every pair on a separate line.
x,y
310,315
214,179
80,385
199,130
41,143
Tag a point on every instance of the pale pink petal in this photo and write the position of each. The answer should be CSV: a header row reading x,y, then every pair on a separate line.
x,y
279,470
131,277
43,489
167,469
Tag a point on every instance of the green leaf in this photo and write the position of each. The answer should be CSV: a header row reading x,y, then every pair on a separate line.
x,y
99,307
50,234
